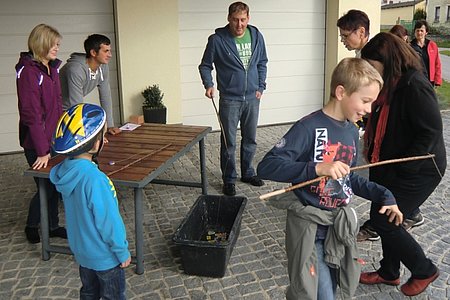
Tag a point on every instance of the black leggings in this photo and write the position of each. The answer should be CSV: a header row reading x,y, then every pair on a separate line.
x,y
398,245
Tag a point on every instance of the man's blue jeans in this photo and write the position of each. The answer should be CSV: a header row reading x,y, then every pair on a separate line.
x,y
327,275
231,113
108,284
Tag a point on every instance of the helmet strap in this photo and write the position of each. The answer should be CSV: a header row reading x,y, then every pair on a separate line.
x,y
100,147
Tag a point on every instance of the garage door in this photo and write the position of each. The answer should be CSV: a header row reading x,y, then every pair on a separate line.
x,y
294,32
75,20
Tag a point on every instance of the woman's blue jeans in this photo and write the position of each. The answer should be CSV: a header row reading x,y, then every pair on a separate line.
x,y
233,112
108,284
327,275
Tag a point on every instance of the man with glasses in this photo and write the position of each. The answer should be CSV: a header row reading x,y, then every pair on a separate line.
x,y
354,30
354,33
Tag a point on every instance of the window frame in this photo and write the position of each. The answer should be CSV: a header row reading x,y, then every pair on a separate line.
x,y
437,14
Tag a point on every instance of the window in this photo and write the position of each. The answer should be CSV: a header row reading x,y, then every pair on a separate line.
x,y
437,13
448,13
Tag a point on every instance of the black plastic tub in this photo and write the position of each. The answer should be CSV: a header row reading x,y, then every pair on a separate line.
x,y
207,235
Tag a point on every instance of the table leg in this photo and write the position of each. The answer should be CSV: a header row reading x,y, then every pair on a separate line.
x,y
203,167
139,234
44,219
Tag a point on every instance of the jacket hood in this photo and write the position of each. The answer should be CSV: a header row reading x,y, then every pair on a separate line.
x,y
78,58
68,174
225,32
26,59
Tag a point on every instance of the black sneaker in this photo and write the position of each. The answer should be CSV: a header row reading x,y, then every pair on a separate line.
x,y
59,232
367,233
254,180
32,235
413,221
229,189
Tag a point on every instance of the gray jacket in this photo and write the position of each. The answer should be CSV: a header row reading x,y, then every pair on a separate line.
x,y
340,246
77,82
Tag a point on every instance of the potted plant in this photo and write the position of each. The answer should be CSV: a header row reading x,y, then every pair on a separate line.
x,y
153,108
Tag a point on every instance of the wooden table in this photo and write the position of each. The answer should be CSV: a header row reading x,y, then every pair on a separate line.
x,y
139,156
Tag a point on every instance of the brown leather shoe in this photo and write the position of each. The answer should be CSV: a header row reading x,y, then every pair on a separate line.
x,y
374,278
416,286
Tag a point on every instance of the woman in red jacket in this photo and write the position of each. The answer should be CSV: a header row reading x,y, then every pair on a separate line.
x,y
40,106
428,51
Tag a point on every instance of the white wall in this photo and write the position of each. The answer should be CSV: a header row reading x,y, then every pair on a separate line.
x,y
147,33
294,33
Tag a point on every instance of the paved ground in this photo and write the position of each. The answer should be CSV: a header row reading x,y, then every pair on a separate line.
x,y
257,269
445,62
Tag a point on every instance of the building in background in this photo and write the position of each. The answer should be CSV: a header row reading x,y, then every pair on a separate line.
x,y
400,13
384,2
438,13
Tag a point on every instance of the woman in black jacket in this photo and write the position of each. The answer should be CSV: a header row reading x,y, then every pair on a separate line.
x,y
405,121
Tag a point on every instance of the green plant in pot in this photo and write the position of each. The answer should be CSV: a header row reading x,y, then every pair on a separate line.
x,y
153,108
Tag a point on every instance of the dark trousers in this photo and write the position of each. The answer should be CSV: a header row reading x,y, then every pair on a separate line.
x,y
398,245
107,285
34,210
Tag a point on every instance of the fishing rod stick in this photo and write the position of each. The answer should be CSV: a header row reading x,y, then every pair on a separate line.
x,y
220,123
305,183
139,159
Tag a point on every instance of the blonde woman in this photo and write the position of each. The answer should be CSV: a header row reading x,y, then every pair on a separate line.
x,y
39,100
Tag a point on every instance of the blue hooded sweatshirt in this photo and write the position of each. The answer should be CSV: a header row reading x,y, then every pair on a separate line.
x,y
95,229
234,81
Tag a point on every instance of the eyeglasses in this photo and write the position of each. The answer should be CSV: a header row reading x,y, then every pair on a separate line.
x,y
344,36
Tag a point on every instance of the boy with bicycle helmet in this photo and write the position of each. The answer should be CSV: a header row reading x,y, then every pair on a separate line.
x,y
95,229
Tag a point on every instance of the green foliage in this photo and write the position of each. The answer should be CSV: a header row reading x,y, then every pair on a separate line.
x,y
420,14
445,52
153,97
443,43
443,93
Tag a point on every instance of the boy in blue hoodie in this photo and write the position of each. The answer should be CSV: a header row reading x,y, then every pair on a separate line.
x,y
95,229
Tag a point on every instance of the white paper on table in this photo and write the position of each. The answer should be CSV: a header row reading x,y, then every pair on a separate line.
x,y
129,127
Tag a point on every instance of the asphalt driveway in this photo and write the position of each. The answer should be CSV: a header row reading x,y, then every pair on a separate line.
x,y
445,61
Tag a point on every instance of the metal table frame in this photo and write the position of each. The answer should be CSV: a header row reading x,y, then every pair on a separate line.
x,y
47,248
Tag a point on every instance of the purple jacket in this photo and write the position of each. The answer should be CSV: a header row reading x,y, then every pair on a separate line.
x,y
40,104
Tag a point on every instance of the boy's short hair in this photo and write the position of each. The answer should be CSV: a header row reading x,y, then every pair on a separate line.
x,y
238,7
354,19
353,73
41,39
94,42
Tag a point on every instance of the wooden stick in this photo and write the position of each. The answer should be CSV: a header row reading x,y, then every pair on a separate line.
x,y
138,160
384,162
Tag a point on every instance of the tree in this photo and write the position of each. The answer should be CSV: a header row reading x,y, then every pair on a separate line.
x,y
420,14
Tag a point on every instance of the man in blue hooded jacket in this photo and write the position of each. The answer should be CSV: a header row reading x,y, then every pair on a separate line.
x,y
239,55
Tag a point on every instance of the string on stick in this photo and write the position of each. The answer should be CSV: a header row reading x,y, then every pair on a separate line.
x,y
305,183
139,159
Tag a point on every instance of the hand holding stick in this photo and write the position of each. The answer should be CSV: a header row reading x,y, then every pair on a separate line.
x,y
384,162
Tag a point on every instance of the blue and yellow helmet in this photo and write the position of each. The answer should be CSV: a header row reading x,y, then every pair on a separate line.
x,y
77,128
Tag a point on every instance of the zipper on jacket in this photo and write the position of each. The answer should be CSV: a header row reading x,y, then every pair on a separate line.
x,y
246,80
